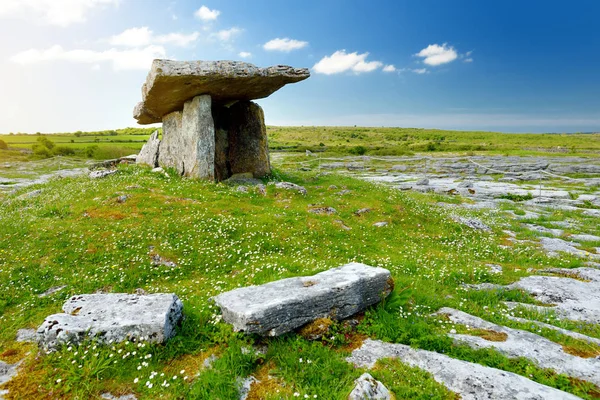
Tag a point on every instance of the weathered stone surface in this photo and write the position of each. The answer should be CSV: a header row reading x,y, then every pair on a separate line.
x,y
52,290
322,210
368,388
291,186
554,245
473,223
281,306
149,153
26,335
471,381
102,173
7,372
248,149
171,83
519,343
112,317
189,139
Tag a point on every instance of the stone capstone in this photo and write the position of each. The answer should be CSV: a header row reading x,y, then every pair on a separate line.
x,y
112,317
171,83
281,306
149,153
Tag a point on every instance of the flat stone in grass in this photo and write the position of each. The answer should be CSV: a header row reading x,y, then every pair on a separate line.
x,y
281,306
471,381
112,317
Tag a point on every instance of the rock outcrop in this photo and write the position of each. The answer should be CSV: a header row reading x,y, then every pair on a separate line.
x,y
211,129
149,153
112,317
281,306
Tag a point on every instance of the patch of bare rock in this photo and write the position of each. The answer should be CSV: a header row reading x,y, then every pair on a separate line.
x,y
471,381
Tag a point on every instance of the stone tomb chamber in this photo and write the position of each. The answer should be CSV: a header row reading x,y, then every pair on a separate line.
x,y
211,128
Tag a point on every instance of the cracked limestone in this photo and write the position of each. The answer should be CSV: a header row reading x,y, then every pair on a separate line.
x,y
543,352
281,306
112,317
149,153
471,381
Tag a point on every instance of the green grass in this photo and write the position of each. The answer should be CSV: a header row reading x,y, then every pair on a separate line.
x,y
76,234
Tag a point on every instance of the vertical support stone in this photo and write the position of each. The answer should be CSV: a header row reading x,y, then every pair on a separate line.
x,y
189,139
168,156
247,134
222,165
198,136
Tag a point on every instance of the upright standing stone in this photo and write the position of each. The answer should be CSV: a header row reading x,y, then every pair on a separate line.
x,y
170,145
248,146
189,139
198,133
149,153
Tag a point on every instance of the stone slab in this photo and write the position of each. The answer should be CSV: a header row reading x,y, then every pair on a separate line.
x,y
471,381
519,343
171,83
149,153
281,306
112,317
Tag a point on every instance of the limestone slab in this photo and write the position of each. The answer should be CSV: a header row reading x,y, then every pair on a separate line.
x,y
171,83
281,306
112,317
149,153
471,381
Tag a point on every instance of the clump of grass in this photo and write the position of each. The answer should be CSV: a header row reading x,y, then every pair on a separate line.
x,y
516,197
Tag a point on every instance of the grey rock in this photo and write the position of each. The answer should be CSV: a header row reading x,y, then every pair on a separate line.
x,y
245,178
323,210
52,290
362,211
494,268
368,388
473,223
248,149
465,184
158,170
291,186
112,317
573,299
171,83
7,372
281,306
109,396
399,168
575,335
343,192
207,363
242,189
149,153
102,173
553,245
244,386
342,224
158,260
26,335
585,238
471,381
188,143
422,182
543,352
29,195
380,224
122,199
543,229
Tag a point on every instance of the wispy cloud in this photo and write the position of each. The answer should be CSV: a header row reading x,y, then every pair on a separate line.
x,y
128,59
284,44
245,54
135,37
206,14
226,35
436,54
52,12
389,68
340,61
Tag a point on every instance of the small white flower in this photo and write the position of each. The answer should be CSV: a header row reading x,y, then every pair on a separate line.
x,y
136,380
58,380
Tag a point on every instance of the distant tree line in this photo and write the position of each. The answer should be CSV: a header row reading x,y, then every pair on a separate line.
x,y
110,132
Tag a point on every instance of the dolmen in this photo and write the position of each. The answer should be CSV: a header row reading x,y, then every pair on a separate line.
x,y
211,128
281,306
112,318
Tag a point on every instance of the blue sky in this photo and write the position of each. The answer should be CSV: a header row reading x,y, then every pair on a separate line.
x,y
515,66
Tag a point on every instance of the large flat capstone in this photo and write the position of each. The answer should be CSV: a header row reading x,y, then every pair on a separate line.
x,y
281,306
112,317
171,83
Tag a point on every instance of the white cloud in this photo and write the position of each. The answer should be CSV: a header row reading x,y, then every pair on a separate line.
x,y
340,61
226,35
434,54
52,12
245,54
130,59
389,68
468,60
420,71
136,37
285,44
132,37
206,14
